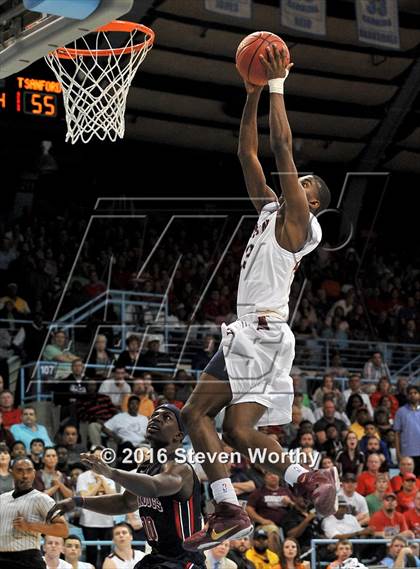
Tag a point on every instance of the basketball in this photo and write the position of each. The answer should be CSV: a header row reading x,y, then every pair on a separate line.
x,y
248,55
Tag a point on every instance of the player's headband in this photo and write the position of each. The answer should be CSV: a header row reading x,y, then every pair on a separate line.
x,y
177,414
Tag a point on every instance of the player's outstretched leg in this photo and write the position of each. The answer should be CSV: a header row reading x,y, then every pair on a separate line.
x,y
318,486
229,520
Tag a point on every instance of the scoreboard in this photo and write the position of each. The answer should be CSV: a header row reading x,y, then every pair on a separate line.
x,y
31,96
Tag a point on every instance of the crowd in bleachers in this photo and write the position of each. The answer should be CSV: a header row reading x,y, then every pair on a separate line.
x,y
366,426
370,431
36,256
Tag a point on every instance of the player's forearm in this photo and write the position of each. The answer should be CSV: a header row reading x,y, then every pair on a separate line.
x,y
248,132
281,145
108,505
138,484
280,132
56,529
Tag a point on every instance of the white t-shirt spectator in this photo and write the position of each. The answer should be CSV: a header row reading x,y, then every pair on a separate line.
x,y
357,501
307,414
129,428
89,519
114,391
331,526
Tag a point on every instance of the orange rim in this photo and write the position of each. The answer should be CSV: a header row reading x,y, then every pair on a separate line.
x,y
115,26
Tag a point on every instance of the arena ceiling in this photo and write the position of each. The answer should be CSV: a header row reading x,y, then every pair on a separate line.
x,y
348,102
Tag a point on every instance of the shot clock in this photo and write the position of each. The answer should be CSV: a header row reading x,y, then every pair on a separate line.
x,y
31,96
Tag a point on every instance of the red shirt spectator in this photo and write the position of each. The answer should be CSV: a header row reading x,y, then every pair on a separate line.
x,y
332,288
412,517
387,520
11,416
383,388
168,396
366,481
5,435
406,465
407,494
95,286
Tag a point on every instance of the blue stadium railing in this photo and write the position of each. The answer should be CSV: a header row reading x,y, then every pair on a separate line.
x,y
42,373
316,542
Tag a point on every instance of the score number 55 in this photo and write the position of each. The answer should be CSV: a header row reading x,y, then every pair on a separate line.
x,y
39,104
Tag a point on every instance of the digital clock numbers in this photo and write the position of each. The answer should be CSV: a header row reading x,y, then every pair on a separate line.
x,y
36,97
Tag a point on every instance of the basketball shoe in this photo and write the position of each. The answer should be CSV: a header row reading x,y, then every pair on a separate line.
x,y
232,522
321,488
228,522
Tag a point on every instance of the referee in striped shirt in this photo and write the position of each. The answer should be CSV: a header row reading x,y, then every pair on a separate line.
x,y
22,521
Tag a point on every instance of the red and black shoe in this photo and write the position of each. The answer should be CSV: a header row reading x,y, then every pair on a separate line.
x,y
321,488
228,522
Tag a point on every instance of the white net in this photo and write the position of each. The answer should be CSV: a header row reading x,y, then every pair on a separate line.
x,y
95,78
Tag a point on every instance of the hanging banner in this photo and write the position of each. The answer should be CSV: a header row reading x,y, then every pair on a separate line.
x,y
236,8
377,22
304,15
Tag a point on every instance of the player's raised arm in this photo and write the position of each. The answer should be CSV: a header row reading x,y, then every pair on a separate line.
x,y
258,190
167,483
114,504
295,228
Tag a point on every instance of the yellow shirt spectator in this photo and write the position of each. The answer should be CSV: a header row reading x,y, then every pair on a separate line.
x,y
358,430
146,406
266,560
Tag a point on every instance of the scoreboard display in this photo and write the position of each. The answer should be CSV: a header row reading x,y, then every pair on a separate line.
x,y
31,96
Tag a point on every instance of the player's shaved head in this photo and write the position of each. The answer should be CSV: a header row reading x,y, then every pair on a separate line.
x,y
317,192
324,194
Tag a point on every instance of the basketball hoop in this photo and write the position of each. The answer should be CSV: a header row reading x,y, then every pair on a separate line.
x,y
96,81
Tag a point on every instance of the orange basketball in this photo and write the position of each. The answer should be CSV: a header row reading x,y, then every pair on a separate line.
x,y
248,55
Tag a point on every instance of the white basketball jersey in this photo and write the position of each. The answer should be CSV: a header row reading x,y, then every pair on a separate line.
x,y
268,270
61,564
123,564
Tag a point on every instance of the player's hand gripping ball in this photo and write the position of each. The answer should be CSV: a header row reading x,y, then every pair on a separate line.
x,y
248,60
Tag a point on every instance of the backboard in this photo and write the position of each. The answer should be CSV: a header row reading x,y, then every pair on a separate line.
x,y
27,35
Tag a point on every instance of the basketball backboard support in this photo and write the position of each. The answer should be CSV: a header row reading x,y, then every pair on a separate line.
x,y
27,36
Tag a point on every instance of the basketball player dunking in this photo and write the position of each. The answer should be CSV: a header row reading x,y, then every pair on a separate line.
x,y
249,375
167,495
